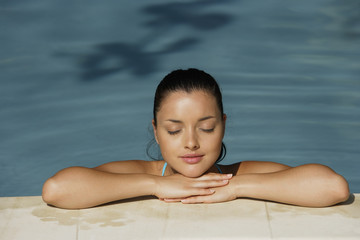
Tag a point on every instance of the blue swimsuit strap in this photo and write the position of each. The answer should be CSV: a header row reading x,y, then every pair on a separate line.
x,y
165,164
218,167
164,167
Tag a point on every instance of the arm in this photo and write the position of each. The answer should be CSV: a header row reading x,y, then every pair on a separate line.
x,y
79,187
311,185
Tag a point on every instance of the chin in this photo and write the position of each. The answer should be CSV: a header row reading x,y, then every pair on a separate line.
x,y
194,173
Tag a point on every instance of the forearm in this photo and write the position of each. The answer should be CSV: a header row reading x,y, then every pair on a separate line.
x,y
79,187
308,185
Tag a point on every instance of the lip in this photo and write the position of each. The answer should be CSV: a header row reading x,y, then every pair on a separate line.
x,y
192,158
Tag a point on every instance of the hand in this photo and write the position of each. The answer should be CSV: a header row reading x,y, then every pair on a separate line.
x,y
222,194
176,187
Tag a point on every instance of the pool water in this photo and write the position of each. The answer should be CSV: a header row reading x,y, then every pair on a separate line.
x,y
77,80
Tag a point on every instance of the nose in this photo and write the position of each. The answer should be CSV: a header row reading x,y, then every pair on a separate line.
x,y
191,141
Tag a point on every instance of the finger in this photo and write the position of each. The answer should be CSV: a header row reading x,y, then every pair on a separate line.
x,y
215,176
201,192
197,199
210,183
188,193
196,192
170,200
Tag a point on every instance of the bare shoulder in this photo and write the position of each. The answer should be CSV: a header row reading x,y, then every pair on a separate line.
x,y
260,167
132,166
253,167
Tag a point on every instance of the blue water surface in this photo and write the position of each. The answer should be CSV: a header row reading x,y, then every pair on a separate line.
x,y
77,80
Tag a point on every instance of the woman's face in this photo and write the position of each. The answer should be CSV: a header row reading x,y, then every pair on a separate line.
x,y
189,131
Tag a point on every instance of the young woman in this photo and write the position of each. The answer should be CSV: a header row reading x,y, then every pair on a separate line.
x,y
189,126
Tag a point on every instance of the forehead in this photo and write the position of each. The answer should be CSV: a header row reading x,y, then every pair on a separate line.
x,y
182,103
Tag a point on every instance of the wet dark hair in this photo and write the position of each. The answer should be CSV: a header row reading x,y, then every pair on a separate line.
x,y
187,80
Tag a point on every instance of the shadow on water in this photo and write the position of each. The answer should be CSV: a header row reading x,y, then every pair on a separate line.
x,y
348,18
114,57
135,57
189,14
351,21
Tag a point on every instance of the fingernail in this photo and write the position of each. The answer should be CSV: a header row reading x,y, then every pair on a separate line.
x,y
225,181
229,175
212,190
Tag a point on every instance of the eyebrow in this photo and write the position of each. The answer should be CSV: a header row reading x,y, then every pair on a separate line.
x,y
200,120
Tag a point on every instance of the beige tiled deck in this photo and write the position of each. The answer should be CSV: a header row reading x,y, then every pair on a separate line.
x,y
30,218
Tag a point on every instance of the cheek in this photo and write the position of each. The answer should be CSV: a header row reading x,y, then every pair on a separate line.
x,y
216,144
166,144
209,141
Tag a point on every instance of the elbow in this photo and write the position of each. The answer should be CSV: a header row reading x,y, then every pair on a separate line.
x,y
332,189
336,187
62,191
340,189
50,192
56,190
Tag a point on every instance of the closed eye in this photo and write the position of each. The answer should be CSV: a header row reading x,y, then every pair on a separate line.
x,y
173,132
209,130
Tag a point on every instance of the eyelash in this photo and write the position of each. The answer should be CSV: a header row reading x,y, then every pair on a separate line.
x,y
205,130
208,130
173,132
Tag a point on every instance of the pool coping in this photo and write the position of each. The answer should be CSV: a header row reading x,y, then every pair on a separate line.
x,y
149,218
